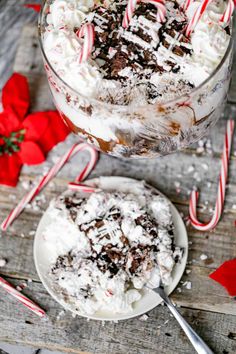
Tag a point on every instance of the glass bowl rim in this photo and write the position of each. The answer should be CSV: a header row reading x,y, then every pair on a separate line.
x,y
165,103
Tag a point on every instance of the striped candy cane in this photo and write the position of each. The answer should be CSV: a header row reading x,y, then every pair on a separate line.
x,y
226,17
221,187
52,172
79,187
86,32
22,298
197,16
161,10
186,4
131,5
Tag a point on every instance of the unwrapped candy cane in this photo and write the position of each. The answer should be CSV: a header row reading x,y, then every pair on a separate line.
x,y
197,16
130,8
52,172
79,187
86,32
22,298
226,17
186,4
221,187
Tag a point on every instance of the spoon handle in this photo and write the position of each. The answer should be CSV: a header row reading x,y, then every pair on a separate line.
x,y
199,345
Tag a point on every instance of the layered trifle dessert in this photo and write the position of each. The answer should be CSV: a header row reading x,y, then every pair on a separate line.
x,y
106,246
146,87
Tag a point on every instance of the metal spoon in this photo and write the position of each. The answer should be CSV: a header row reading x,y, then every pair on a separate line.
x,y
198,344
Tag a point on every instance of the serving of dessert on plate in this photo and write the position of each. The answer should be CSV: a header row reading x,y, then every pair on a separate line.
x,y
104,247
147,89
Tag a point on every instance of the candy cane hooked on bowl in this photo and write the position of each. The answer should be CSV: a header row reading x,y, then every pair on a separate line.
x,y
197,16
228,11
186,4
221,187
22,298
52,172
161,9
86,32
131,5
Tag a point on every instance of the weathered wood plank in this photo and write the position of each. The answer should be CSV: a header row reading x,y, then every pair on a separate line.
x,y
232,91
159,334
171,174
13,16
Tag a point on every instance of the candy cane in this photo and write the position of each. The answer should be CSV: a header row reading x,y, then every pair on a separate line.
x,y
86,31
52,172
221,187
186,4
22,298
130,8
228,11
82,188
161,9
197,16
131,5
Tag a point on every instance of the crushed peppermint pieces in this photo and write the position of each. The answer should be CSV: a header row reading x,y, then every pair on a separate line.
x,y
177,184
190,169
203,257
3,262
144,318
21,286
205,166
26,184
187,285
60,315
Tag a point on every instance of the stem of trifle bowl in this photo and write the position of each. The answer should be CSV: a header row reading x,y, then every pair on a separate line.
x,y
132,102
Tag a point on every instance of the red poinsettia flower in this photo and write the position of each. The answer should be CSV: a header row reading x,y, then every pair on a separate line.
x,y
35,7
24,139
226,276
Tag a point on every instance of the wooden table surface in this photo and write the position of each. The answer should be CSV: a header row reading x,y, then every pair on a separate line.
x,y
206,306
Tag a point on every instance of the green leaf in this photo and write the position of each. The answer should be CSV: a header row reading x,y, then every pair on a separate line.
x,y
21,138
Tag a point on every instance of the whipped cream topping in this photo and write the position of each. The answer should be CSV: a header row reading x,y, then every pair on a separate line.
x,y
148,60
209,40
106,246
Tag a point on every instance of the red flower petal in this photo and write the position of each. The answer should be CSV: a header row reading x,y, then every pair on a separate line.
x,y
56,131
15,94
9,122
30,153
226,276
35,125
35,7
10,169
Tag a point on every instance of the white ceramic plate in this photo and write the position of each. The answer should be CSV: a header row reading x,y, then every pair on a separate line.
x,y
149,299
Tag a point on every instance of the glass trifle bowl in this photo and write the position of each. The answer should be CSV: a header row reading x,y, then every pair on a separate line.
x,y
146,90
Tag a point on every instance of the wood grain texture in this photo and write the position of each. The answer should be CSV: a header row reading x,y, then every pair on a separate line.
x,y
13,16
159,334
206,306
